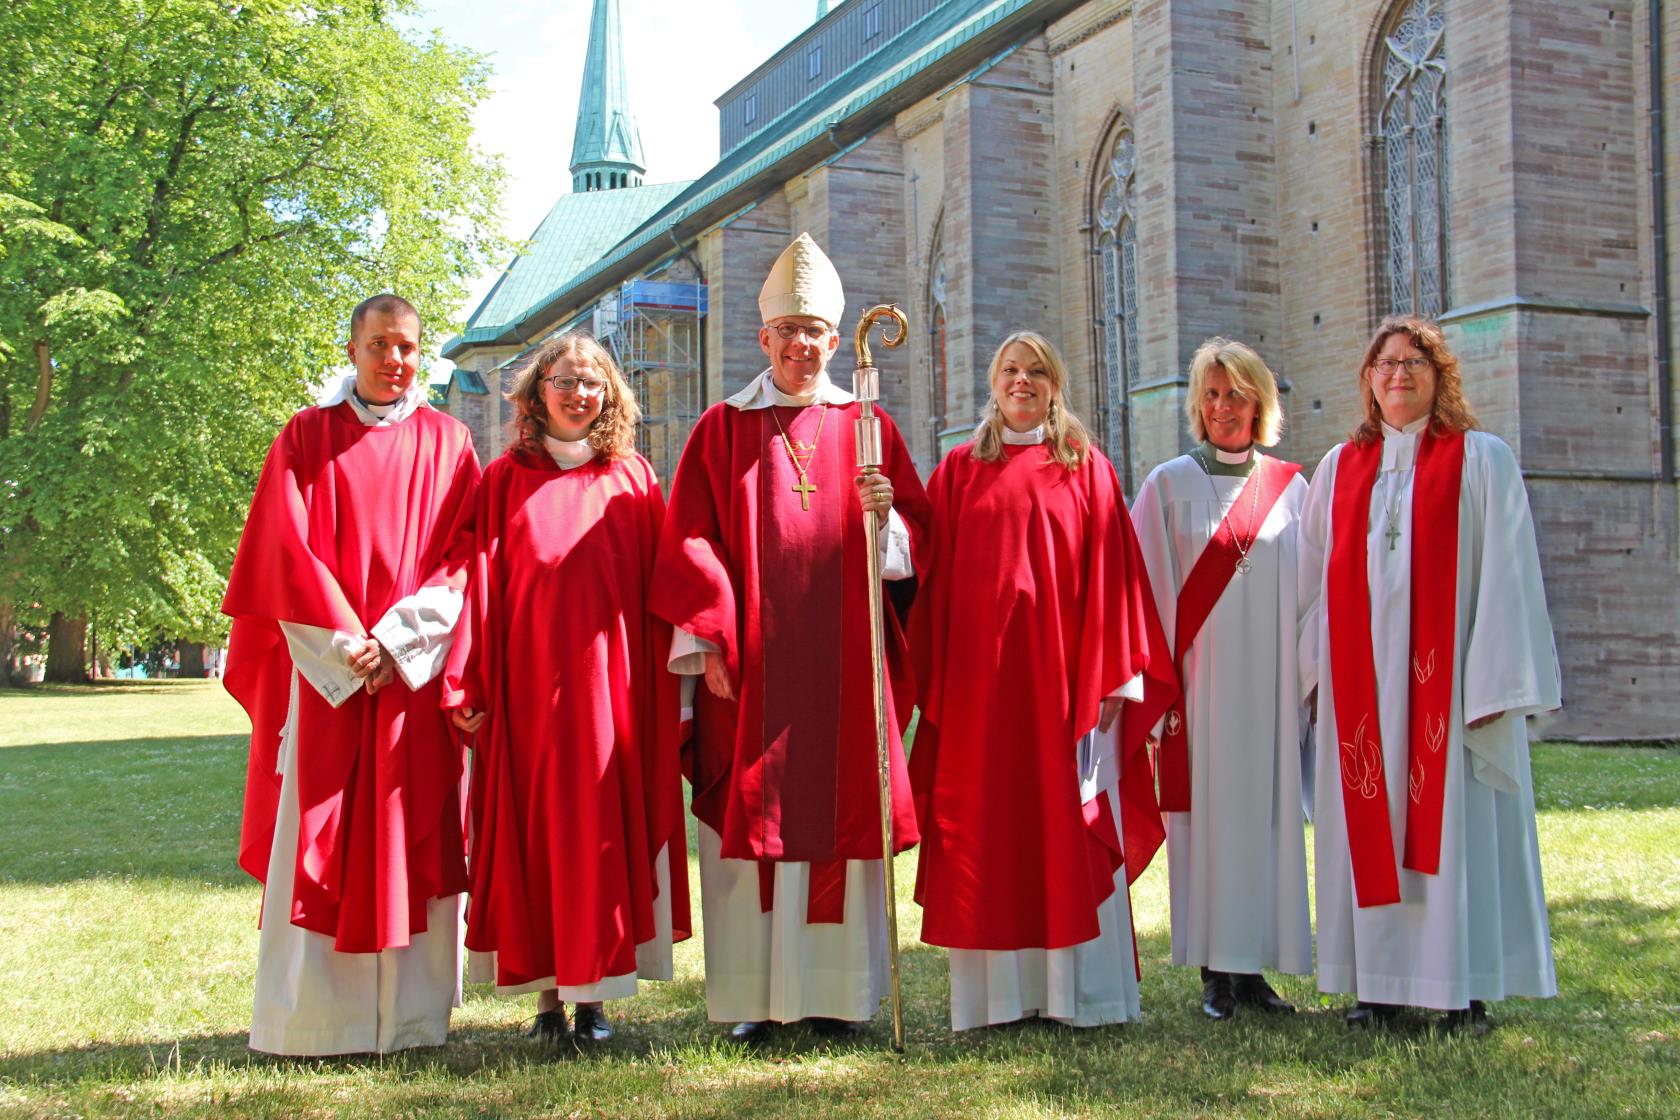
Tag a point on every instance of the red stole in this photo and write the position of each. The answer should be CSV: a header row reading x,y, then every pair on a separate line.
x,y
1196,599
1435,493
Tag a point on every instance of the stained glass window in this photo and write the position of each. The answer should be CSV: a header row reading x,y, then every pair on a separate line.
x,y
1115,230
1411,145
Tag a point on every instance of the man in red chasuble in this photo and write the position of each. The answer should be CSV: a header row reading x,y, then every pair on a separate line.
x,y
762,571
345,593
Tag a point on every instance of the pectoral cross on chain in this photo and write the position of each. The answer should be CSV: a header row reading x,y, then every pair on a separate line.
x,y
804,489
1393,534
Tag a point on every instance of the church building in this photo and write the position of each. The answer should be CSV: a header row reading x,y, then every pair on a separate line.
x,y
1130,177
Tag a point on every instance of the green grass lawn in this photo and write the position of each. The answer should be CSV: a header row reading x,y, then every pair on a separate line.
x,y
128,939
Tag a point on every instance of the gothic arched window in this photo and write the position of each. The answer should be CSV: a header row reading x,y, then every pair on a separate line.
x,y
1114,228
939,368
1411,150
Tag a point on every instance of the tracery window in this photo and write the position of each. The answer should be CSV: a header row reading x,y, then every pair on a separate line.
x,y
1115,231
939,383
1411,148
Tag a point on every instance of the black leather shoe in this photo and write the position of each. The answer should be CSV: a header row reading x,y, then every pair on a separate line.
x,y
1472,1020
1365,1014
550,1026
1253,991
753,1031
832,1028
590,1023
1219,996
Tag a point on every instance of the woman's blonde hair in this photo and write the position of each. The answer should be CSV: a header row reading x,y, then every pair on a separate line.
x,y
612,435
1252,378
1069,441
1450,412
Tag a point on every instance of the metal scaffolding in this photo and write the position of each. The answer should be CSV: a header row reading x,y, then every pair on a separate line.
x,y
653,328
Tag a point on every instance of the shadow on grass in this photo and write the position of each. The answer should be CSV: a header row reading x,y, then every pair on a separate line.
x,y
1613,951
105,686
165,808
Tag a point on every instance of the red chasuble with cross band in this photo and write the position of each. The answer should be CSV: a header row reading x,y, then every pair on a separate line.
x,y
347,521
1036,606
576,791
787,772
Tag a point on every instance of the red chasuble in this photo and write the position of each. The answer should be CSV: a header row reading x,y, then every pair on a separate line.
x,y
1036,607
1435,495
575,780
787,773
347,521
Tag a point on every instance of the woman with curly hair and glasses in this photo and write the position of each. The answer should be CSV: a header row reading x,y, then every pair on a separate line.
x,y
1425,635
578,862
1034,623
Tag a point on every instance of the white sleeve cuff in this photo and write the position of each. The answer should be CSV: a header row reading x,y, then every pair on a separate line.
x,y
894,544
1131,690
688,653
418,632
322,657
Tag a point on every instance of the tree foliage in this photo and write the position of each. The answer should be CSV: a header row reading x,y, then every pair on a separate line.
x,y
193,194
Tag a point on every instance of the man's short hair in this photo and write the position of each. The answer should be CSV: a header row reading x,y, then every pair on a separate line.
x,y
387,302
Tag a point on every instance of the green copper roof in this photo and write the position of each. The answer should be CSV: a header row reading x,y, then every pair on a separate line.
x,y
953,38
606,131
577,231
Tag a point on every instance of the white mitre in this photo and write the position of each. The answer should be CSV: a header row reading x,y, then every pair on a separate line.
x,y
803,282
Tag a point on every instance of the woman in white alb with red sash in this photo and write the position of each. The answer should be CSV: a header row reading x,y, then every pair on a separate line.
x,y
1217,527
1425,633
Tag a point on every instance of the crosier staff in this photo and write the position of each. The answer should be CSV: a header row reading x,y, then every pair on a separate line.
x,y
866,387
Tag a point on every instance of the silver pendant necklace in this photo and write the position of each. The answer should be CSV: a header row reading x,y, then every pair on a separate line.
x,y
1243,565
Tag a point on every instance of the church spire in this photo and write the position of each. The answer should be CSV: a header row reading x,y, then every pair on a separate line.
x,y
822,9
606,148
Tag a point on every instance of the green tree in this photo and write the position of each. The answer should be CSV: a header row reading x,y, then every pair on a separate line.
x,y
193,194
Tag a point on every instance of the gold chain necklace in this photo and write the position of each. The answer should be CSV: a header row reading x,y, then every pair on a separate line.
x,y
1243,565
803,487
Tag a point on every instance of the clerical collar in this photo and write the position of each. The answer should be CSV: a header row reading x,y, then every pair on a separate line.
x,y
1400,445
376,415
1233,464
1028,438
568,454
761,392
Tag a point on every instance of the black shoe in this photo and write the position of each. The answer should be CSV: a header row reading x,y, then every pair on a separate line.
x,y
550,1026
832,1028
590,1023
1219,996
1253,991
1471,1020
1366,1014
753,1031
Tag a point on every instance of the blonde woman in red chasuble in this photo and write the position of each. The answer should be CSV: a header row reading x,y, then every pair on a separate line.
x,y
1425,634
1033,626
578,860
1218,531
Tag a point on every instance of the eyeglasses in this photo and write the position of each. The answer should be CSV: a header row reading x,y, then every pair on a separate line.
x,y
565,384
790,331
1415,364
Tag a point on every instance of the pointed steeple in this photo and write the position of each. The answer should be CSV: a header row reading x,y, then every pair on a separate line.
x,y
822,8
606,148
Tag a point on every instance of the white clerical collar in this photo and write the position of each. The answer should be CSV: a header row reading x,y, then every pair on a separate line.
x,y
568,454
1235,458
376,415
761,392
1400,444
1027,438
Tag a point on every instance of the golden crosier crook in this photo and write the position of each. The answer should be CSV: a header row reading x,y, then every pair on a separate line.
x,y
867,435
867,323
